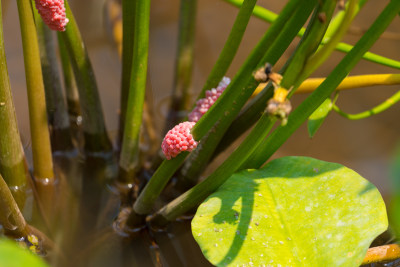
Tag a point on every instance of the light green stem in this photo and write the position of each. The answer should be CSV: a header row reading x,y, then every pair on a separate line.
x,y
376,110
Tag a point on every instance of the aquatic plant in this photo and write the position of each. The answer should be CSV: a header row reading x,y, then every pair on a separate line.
x,y
244,209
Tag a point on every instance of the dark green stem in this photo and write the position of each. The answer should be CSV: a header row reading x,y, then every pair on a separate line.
x,y
181,94
96,139
128,31
12,158
129,157
305,109
56,109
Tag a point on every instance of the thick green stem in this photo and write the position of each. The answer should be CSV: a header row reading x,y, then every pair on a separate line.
x,y
41,150
197,160
56,109
305,109
375,110
12,158
128,31
71,89
96,139
181,93
270,17
234,97
130,144
230,48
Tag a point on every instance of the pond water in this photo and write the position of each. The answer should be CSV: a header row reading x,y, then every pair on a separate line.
x,y
365,146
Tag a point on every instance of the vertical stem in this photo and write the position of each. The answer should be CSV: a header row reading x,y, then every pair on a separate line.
x,y
71,89
56,109
184,63
41,148
130,145
128,29
96,139
12,159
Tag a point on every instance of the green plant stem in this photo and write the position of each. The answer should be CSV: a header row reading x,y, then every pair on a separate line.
x,y
234,93
128,31
181,93
197,160
376,110
56,109
71,89
198,193
96,139
269,16
12,158
307,107
41,149
230,48
129,157
145,201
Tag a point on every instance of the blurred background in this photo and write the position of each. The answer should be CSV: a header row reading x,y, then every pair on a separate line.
x,y
366,146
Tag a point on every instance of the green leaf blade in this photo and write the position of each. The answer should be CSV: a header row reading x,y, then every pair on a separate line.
x,y
297,211
11,255
318,117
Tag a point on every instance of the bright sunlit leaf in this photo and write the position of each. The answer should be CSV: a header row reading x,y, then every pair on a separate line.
x,y
11,255
296,211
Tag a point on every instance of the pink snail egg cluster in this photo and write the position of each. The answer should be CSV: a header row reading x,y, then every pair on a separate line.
x,y
52,13
178,139
204,104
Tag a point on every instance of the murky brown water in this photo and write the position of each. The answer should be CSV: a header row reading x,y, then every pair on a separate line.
x,y
365,146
